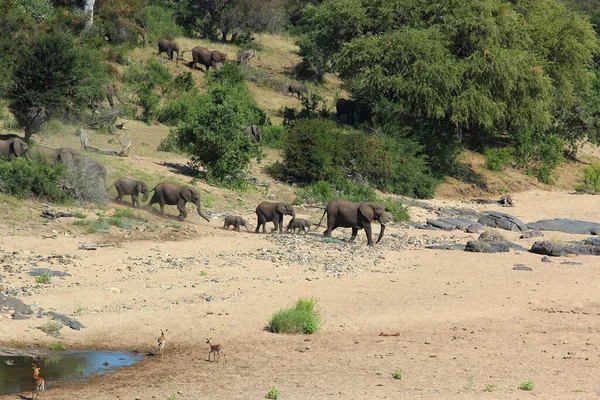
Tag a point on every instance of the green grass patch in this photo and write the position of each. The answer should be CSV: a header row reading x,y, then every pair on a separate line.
x,y
80,369
80,215
489,387
50,327
203,273
397,374
272,393
398,211
498,159
45,278
303,317
527,386
58,346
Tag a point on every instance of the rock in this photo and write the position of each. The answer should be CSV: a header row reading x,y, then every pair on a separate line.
x,y
559,250
456,246
475,228
477,246
16,304
571,263
531,233
500,220
566,225
436,223
546,259
521,267
70,322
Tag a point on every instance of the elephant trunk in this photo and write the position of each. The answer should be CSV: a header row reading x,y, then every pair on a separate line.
x,y
381,233
200,211
145,196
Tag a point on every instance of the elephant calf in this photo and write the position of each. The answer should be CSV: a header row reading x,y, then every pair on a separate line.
x,y
301,224
172,194
130,187
345,106
236,221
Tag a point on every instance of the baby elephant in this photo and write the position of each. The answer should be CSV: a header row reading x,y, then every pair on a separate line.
x,y
126,187
300,224
236,221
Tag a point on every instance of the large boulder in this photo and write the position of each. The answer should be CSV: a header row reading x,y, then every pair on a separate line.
x,y
500,220
566,225
587,247
481,246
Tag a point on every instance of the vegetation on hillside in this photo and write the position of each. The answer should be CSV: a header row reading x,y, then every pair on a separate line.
x,y
517,81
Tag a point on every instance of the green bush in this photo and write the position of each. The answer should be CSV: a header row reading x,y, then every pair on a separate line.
x,y
149,101
323,191
300,318
159,23
24,178
591,180
540,155
272,136
498,159
527,386
397,210
181,108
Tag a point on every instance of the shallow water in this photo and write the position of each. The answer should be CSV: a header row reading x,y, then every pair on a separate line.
x,y
60,366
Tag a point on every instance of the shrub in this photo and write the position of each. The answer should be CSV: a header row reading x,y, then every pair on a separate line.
x,y
489,387
77,184
498,159
24,178
540,155
182,108
159,22
527,386
272,136
300,318
272,393
591,180
323,191
58,346
45,278
396,208
397,374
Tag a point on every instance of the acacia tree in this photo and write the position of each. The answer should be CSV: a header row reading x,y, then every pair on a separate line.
x,y
54,79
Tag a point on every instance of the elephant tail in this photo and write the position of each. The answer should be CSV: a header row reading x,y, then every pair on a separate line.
x,y
183,52
108,188
321,220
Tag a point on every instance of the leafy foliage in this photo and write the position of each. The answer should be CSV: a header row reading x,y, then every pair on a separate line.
x,y
212,134
303,317
591,180
24,178
498,158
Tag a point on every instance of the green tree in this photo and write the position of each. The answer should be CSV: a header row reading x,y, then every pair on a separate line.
x,y
54,79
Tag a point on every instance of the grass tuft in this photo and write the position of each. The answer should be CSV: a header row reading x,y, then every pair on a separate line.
x,y
489,387
527,386
397,374
272,393
58,346
45,278
300,318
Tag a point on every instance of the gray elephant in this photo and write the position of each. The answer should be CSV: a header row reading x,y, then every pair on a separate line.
x,y
201,55
111,92
172,194
297,88
130,187
43,153
253,132
272,212
13,147
344,106
301,224
347,214
82,163
236,221
166,46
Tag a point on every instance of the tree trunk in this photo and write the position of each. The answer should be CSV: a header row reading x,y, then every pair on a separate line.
x,y
88,7
224,38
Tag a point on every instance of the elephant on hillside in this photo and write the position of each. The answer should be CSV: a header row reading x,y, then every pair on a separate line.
x,y
172,194
297,88
272,212
347,214
82,163
344,106
253,132
43,153
13,147
130,187
201,55
236,221
166,46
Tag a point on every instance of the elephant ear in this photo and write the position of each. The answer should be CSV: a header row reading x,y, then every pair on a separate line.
x,y
281,208
366,210
139,187
186,194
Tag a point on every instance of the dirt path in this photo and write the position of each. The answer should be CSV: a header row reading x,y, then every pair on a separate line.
x,y
464,320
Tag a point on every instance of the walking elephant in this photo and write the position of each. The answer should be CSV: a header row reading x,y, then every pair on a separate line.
x,y
344,106
236,221
82,163
166,46
13,147
201,55
253,132
43,153
347,214
272,212
297,88
172,194
301,224
130,187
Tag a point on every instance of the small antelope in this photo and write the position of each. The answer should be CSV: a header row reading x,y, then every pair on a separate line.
x,y
162,340
38,384
215,349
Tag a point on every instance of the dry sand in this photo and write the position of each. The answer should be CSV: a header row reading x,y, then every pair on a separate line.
x,y
463,320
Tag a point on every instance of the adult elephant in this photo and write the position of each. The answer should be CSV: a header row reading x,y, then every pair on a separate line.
x,y
272,212
43,153
172,194
13,147
253,132
201,55
345,106
166,46
347,214
88,166
297,88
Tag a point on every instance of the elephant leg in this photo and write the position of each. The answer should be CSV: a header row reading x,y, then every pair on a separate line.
x,y
237,227
367,226
182,211
162,209
118,198
135,202
354,233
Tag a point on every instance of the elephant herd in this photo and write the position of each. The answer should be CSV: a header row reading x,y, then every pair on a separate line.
x,y
200,54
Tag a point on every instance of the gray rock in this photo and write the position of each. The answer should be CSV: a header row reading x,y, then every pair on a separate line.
x,y
521,267
546,259
459,223
475,228
532,233
480,246
457,246
500,220
566,225
558,250
70,322
16,304
571,263
436,223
